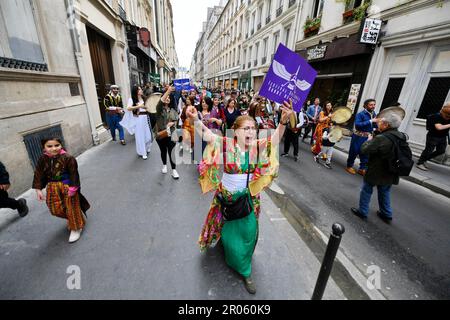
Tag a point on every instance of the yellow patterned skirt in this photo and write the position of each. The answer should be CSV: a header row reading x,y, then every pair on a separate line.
x,y
63,206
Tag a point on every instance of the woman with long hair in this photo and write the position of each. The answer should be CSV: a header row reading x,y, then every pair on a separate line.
x,y
166,120
188,129
205,116
324,122
217,117
141,127
231,113
249,166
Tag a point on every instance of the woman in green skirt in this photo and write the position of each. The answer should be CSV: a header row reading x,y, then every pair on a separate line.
x,y
249,166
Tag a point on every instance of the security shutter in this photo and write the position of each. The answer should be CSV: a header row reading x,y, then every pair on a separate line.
x,y
434,98
33,142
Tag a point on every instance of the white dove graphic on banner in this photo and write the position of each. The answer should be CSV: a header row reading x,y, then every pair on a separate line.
x,y
292,78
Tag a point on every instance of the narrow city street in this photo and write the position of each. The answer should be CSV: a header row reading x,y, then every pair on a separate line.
x,y
140,241
85,86
412,252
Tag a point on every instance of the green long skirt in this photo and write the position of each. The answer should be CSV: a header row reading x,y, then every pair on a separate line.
x,y
239,240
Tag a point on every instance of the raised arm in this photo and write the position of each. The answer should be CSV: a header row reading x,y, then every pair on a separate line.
x,y
286,111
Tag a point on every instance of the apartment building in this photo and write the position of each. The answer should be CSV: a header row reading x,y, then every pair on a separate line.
x,y
409,63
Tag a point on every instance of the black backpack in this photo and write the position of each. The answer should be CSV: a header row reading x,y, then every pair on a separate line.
x,y
401,163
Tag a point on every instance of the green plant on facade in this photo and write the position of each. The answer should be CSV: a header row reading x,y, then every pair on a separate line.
x,y
312,22
360,12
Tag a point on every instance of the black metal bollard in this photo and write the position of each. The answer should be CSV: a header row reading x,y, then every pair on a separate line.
x,y
327,263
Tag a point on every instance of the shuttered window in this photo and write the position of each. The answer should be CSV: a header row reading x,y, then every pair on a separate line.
x,y
437,91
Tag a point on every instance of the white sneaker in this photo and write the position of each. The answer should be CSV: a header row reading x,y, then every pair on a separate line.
x,y
74,235
144,157
175,174
164,169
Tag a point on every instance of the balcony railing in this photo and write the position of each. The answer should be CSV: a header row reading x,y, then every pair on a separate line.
x,y
122,13
267,19
291,3
279,11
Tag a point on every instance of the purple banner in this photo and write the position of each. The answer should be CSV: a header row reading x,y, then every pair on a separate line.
x,y
182,84
289,77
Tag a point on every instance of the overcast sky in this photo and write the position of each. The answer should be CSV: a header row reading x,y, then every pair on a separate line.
x,y
188,19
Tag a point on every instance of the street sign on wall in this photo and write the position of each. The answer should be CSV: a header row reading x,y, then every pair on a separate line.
x,y
353,96
370,31
317,52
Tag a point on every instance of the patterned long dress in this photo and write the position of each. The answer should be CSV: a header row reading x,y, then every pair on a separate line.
x,y
239,236
323,123
59,174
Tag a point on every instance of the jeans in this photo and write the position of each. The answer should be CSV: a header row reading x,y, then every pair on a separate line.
x,y
438,143
355,150
113,123
384,199
7,202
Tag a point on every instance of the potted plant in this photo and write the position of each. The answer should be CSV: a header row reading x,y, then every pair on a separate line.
x,y
311,26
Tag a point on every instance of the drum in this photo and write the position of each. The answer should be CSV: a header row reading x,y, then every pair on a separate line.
x,y
293,121
335,134
341,115
396,110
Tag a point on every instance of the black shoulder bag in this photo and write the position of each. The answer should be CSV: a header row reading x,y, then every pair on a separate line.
x,y
242,206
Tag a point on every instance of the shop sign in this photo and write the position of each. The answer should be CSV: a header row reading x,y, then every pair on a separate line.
x,y
370,31
317,52
144,36
155,77
353,96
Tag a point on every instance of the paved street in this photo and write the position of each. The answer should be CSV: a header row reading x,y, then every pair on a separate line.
x,y
140,241
412,252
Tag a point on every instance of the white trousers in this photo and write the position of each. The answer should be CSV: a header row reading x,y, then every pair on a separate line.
x,y
328,151
143,136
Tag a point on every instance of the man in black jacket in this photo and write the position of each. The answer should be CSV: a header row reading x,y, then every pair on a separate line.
x,y
438,126
5,200
380,151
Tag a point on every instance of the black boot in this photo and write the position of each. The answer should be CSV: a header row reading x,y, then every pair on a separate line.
x,y
250,285
23,208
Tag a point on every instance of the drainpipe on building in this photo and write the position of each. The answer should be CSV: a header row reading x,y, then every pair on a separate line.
x,y
297,22
79,60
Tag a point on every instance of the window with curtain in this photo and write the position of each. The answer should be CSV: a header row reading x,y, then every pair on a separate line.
x,y
19,35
